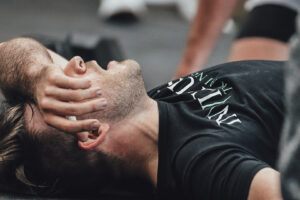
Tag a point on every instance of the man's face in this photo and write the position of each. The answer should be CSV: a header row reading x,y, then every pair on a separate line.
x,y
121,85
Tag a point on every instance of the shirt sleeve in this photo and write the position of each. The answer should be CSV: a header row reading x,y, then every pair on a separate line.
x,y
215,170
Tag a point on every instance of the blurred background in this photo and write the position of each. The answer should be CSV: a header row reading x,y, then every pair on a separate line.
x,y
155,36
154,33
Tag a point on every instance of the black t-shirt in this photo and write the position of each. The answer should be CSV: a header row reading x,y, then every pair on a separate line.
x,y
217,129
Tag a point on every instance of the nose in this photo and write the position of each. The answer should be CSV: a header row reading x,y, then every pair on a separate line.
x,y
75,67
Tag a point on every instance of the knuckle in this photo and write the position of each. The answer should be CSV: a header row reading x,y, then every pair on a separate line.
x,y
52,77
93,92
47,90
46,119
85,125
76,96
43,103
50,119
94,107
63,128
84,83
69,82
67,127
88,82
73,110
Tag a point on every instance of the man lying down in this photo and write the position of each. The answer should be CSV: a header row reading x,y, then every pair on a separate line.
x,y
211,135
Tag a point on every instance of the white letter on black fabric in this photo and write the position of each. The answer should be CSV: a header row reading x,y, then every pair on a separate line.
x,y
221,114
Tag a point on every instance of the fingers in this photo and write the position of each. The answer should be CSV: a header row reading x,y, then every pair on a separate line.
x,y
75,67
73,108
83,136
71,126
62,93
72,95
63,81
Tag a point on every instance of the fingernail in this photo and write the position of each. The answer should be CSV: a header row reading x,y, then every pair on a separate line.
x,y
102,103
99,92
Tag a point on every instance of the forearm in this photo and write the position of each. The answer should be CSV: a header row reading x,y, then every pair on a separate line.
x,y
206,28
265,185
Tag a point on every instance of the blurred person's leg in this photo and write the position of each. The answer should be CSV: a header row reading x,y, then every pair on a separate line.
x,y
206,28
266,31
289,160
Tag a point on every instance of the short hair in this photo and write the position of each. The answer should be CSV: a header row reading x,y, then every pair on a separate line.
x,y
16,56
42,160
47,163
11,128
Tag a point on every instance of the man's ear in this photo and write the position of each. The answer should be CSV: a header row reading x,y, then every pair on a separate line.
x,y
75,67
95,139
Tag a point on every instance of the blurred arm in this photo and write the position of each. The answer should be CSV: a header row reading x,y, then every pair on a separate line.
x,y
206,28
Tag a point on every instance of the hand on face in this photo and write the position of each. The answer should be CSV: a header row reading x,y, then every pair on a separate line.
x,y
61,93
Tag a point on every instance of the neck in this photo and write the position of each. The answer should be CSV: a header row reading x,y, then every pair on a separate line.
x,y
147,124
138,136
